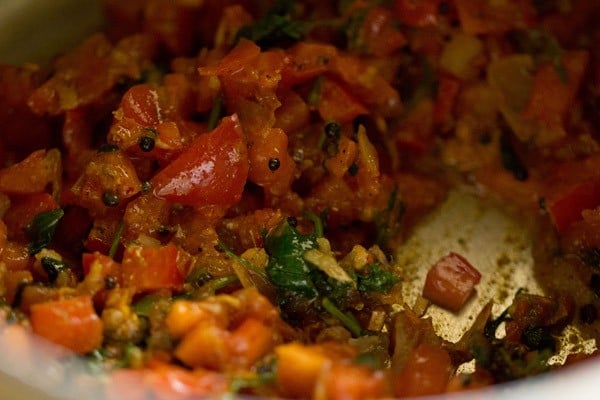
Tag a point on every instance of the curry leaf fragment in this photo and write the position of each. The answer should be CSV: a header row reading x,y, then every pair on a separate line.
x,y
41,230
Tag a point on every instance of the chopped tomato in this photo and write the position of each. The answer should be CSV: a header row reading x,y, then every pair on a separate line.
x,y
251,341
71,323
22,212
141,103
15,256
213,170
33,174
298,369
568,206
108,179
108,265
335,103
426,372
418,13
205,346
553,94
150,268
243,54
354,382
451,281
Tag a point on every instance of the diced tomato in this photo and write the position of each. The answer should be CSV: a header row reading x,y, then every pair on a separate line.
x,y
205,346
243,54
337,104
552,95
151,268
108,173
568,206
212,171
450,282
108,265
298,368
16,256
71,323
251,341
263,150
22,212
418,13
170,382
571,188
141,103
426,372
33,174
354,382
308,60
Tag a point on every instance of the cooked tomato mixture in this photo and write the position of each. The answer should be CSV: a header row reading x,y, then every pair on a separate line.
x,y
206,196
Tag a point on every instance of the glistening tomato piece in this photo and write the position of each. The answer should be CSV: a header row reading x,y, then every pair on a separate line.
x,y
151,268
451,281
212,171
71,323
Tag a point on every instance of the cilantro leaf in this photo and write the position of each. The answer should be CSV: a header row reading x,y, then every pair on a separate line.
x,y
287,269
373,278
41,230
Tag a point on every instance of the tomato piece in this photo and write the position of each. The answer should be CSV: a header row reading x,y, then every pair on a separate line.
x,y
243,54
450,282
71,323
141,104
337,104
16,256
418,13
108,265
108,179
33,174
251,341
150,268
298,369
552,96
426,372
212,171
355,382
22,212
206,346
568,206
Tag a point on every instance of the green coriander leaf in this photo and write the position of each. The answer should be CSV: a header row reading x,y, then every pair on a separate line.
x,y
373,278
287,269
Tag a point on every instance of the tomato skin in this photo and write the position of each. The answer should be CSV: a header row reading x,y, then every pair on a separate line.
x,y
141,104
450,282
151,268
22,212
212,171
427,372
31,175
71,323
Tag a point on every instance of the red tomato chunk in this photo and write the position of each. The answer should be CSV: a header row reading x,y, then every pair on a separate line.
x,y
450,282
